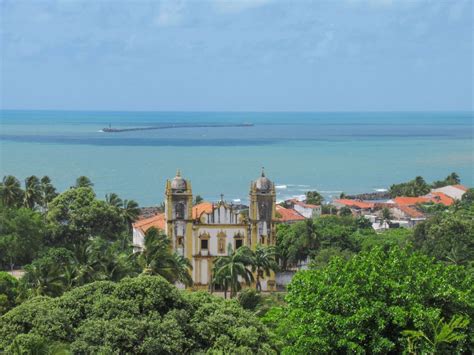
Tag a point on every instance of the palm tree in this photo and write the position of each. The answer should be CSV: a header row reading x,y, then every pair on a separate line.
x,y
32,195
263,262
130,212
10,191
157,259
114,200
44,280
228,269
83,181
183,265
453,179
107,262
386,215
47,191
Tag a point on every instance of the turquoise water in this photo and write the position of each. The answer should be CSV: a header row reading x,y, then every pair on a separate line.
x,y
329,152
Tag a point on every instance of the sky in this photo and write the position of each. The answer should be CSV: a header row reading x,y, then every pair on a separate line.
x,y
247,55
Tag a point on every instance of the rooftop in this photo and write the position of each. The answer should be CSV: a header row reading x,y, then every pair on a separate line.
x,y
288,215
157,221
355,203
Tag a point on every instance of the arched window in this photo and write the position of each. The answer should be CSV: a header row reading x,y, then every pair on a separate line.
x,y
221,239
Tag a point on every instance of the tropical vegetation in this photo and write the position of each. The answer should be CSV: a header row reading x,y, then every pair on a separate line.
x,y
86,289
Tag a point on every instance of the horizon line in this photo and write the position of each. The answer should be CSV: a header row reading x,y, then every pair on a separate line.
x,y
236,111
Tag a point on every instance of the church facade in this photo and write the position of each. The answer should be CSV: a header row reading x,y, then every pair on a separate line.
x,y
205,231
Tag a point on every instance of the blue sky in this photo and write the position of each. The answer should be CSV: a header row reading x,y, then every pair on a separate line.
x,y
249,55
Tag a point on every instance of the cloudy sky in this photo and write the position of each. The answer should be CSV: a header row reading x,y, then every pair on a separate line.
x,y
224,55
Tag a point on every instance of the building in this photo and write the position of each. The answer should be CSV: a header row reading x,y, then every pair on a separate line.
x,y
306,210
287,215
205,231
357,206
453,191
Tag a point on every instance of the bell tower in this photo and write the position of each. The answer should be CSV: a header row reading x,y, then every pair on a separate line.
x,y
262,211
178,214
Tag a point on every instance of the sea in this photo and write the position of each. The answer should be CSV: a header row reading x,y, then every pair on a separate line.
x,y
331,152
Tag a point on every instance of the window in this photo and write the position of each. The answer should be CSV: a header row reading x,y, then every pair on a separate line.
x,y
180,211
238,243
204,244
221,245
221,238
180,241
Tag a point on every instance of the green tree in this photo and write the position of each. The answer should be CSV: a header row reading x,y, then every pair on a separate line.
x,y
468,197
157,259
141,315
451,179
386,239
83,181
314,198
11,193
198,199
324,256
263,263
32,194
22,232
442,334
47,192
363,305
44,276
447,237
416,187
76,215
249,299
228,269
345,211
114,200
130,212
9,291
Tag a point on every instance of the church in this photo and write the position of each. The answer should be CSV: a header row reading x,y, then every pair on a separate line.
x,y
204,231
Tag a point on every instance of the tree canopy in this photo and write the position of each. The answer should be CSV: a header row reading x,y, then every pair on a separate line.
x,y
139,315
365,303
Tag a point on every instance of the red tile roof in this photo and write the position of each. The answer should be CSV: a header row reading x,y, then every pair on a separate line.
x,y
288,215
411,212
440,197
199,209
460,187
157,221
355,203
434,197
410,201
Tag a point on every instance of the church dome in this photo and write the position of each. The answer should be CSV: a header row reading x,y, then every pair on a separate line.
x,y
263,183
178,183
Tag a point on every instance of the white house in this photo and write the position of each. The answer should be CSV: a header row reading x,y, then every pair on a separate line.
x,y
453,191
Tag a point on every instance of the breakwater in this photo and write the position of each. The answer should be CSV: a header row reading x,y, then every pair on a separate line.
x,y
118,130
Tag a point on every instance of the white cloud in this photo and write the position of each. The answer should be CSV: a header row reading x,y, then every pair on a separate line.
x,y
170,13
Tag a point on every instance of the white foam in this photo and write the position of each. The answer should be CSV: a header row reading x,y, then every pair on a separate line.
x,y
237,200
381,190
281,187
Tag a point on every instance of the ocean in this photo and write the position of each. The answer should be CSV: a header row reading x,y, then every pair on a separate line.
x,y
330,152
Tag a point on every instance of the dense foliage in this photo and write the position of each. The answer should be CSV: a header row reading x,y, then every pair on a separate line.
x,y
448,237
364,304
365,291
143,315
323,237
416,187
419,187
